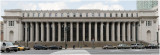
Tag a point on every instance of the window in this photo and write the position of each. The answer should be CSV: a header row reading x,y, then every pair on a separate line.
x,y
148,23
116,15
99,14
86,14
137,14
43,14
28,14
33,14
92,14
74,15
110,14
38,14
49,14
104,14
55,14
127,15
61,14
23,14
80,15
67,14
132,15
11,23
121,15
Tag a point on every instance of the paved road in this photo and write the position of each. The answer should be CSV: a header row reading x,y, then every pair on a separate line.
x,y
88,51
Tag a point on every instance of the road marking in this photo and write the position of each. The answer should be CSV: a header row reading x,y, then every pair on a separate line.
x,y
71,52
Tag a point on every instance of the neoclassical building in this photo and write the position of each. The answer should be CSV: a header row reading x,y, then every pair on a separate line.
x,y
81,25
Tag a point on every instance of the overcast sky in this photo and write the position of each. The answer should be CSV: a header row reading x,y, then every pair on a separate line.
x,y
67,4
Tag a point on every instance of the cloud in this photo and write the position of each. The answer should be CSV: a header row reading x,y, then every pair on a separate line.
x,y
52,6
74,0
29,6
101,6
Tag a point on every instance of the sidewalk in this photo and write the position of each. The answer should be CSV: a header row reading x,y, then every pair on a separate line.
x,y
83,48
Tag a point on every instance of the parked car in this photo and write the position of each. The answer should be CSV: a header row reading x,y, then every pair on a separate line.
x,y
54,47
151,46
40,47
109,47
123,46
20,48
137,46
8,46
27,48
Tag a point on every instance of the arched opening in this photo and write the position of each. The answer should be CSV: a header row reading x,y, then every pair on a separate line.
x,y
148,35
11,36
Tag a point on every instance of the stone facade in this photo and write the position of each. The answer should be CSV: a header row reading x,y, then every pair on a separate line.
x,y
81,25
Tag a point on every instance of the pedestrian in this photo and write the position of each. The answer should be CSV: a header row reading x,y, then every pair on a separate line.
x,y
73,46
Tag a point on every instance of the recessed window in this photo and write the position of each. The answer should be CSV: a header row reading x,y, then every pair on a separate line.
x,y
121,15
11,23
67,14
61,14
99,14
74,15
110,14
132,15
86,14
127,15
28,14
104,14
148,23
80,15
92,14
38,14
44,14
137,14
23,14
50,14
116,15
33,14
55,14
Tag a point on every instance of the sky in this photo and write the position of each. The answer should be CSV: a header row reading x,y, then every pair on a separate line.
x,y
67,4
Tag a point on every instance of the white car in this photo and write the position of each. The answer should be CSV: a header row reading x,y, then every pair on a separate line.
x,y
8,46
109,47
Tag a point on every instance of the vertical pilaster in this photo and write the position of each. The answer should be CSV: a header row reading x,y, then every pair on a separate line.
x,y
77,31
31,32
107,31
128,31
83,31
59,32
113,31
118,31
53,32
95,31
101,31
123,32
65,31
89,31
71,31
26,33
37,32
42,31
133,32
48,32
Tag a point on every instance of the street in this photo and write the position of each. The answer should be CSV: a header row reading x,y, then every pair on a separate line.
x,y
88,51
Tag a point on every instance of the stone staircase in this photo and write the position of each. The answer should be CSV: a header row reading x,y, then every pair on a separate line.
x,y
79,44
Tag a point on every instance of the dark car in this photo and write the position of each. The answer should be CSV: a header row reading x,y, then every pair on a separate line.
x,y
39,47
109,47
123,46
151,46
54,47
137,46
